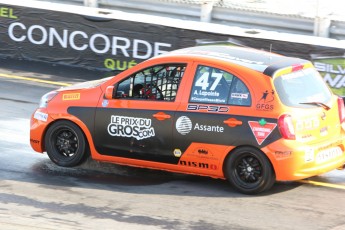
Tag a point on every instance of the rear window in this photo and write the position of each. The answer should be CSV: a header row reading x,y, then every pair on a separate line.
x,y
299,88
213,85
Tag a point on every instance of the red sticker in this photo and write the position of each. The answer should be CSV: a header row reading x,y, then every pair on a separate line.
x,y
261,129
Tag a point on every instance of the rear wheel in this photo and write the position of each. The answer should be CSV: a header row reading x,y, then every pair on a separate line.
x,y
65,144
249,170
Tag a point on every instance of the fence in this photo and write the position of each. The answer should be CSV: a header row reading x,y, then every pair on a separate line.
x,y
311,17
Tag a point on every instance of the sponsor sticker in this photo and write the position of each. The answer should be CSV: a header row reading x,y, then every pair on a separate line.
x,y
41,116
239,95
208,108
309,123
205,88
183,125
177,152
105,103
309,155
202,154
261,129
71,96
34,141
280,155
139,128
209,128
197,164
203,151
266,100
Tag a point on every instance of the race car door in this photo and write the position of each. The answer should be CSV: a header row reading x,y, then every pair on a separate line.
x,y
138,123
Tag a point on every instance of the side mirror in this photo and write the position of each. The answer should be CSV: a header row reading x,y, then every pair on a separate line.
x,y
109,92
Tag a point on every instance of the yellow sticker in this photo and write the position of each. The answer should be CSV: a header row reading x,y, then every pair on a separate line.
x,y
177,152
71,96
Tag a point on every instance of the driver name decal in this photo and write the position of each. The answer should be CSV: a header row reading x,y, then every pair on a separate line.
x,y
205,88
139,128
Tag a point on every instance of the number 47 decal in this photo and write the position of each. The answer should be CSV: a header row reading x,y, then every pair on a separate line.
x,y
203,81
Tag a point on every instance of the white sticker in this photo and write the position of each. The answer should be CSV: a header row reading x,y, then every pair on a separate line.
x,y
239,95
177,153
183,125
41,116
209,128
203,81
105,103
309,155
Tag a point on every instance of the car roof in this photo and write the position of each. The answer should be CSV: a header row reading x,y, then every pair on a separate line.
x,y
262,61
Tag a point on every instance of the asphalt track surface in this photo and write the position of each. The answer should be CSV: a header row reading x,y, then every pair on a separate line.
x,y
36,194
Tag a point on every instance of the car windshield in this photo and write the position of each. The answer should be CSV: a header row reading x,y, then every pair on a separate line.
x,y
303,88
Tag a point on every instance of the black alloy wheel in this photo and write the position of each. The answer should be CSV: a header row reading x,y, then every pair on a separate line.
x,y
249,170
65,144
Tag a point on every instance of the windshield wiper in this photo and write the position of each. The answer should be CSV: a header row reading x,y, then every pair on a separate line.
x,y
323,105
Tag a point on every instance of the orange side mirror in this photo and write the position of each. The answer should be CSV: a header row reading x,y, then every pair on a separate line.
x,y
109,92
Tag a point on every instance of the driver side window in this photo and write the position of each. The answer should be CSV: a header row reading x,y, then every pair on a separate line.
x,y
154,83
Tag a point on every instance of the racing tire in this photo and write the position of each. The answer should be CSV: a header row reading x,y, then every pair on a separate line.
x,y
249,171
66,144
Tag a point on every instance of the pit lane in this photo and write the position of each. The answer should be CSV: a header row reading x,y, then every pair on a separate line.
x,y
36,194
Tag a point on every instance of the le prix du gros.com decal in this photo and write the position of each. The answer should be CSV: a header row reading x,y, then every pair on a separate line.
x,y
139,128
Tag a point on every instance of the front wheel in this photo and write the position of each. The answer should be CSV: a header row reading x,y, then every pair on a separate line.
x,y
249,170
65,144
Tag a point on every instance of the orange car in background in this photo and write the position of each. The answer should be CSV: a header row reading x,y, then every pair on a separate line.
x,y
240,114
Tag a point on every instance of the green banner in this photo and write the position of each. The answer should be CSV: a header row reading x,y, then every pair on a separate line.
x,y
332,69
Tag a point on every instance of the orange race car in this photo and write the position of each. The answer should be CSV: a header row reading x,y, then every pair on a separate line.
x,y
240,114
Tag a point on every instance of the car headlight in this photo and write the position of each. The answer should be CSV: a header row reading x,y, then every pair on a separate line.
x,y
46,98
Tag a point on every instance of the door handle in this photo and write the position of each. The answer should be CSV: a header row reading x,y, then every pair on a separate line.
x,y
161,116
232,122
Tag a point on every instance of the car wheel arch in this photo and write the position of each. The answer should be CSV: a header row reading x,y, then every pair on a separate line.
x,y
225,167
79,124
68,122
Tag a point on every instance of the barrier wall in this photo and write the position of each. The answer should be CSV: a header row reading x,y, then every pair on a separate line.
x,y
114,40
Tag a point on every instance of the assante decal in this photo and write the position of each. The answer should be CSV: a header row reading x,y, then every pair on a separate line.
x,y
209,128
184,125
